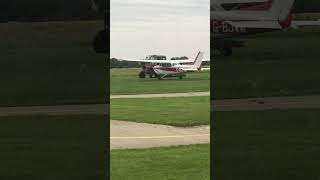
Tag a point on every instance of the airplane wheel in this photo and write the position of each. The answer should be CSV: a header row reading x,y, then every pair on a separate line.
x,y
180,77
159,78
142,74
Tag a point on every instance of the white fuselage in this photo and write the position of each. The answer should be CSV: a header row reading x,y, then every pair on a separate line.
x,y
160,70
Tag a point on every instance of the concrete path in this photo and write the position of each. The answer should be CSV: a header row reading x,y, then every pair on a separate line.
x,y
189,94
267,103
55,110
130,135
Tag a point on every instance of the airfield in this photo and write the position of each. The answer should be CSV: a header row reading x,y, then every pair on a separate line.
x,y
66,72
49,75
149,116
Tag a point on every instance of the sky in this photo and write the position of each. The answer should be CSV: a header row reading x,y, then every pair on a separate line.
x,y
163,27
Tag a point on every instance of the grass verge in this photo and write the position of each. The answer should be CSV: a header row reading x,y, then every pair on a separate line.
x,y
51,63
179,111
173,163
273,64
53,147
126,81
275,144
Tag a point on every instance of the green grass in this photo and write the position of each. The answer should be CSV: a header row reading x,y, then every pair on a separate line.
x,y
173,163
179,111
51,63
126,81
53,147
272,64
275,144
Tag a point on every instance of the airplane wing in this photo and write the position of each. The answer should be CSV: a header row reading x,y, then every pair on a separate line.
x,y
299,24
160,61
145,60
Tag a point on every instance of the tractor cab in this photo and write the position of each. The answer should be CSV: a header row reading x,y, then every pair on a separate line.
x,y
147,68
156,57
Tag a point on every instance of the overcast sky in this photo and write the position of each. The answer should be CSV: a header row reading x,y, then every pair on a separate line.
x,y
164,27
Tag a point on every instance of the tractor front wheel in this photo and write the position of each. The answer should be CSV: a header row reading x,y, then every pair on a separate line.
x,y
142,74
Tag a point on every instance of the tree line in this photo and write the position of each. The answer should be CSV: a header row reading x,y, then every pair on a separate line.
x,y
53,10
115,63
43,10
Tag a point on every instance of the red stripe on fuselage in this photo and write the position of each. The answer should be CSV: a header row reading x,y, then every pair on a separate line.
x,y
262,7
169,69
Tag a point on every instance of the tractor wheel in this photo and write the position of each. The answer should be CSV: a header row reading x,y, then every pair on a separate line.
x,y
226,51
142,74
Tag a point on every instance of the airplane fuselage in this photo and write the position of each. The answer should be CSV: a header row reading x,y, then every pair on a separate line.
x,y
223,29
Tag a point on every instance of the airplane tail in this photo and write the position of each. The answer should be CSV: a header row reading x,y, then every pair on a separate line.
x,y
198,60
282,9
262,6
279,8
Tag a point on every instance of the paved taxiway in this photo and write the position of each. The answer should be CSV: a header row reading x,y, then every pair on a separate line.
x,y
128,135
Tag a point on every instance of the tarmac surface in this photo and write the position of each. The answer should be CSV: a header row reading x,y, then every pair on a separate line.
x,y
55,110
131,135
266,103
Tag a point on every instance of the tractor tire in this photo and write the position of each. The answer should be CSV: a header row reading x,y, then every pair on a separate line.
x,y
142,74
226,51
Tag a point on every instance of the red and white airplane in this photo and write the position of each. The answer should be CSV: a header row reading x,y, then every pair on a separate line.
x,y
178,70
233,18
169,68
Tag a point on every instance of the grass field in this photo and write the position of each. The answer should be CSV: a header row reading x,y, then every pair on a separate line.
x,y
179,111
272,64
51,63
53,147
126,81
277,144
173,163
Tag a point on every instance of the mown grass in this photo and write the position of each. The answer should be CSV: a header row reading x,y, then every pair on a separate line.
x,y
179,111
173,163
127,81
53,147
275,144
51,63
272,64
